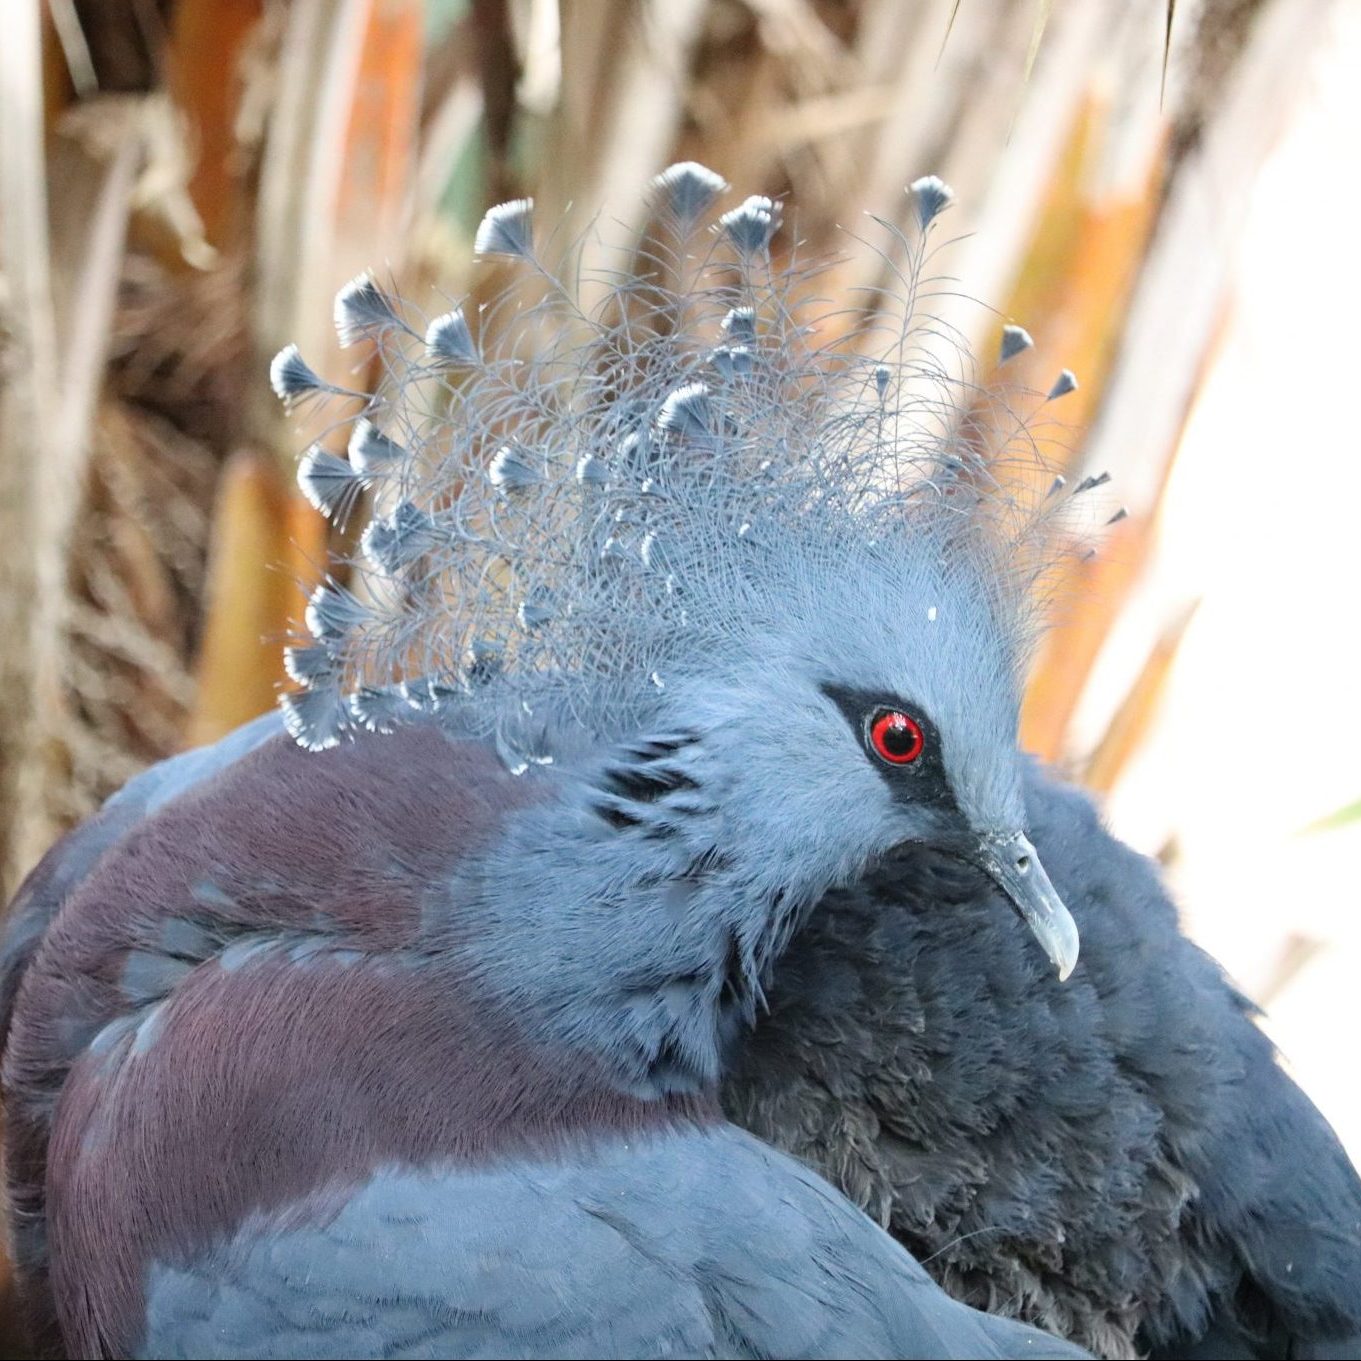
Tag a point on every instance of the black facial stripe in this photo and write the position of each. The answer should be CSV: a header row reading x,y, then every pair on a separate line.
x,y
644,789
922,781
646,783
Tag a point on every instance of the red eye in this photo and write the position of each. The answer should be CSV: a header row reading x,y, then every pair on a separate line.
x,y
896,738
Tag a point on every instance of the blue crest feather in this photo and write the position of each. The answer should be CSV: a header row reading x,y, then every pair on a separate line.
x,y
605,497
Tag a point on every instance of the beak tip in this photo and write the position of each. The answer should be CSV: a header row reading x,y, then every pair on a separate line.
x,y
1013,865
1063,944
1061,941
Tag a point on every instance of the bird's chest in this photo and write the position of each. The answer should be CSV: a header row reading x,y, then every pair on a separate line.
x,y
919,1059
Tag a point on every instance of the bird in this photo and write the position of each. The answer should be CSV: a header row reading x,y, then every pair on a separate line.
x,y
402,1032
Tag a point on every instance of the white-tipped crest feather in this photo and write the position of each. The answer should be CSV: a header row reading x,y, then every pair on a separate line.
x,y
316,719
506,229
687,189
1063,385
371,452
932,197
751,224
329,483
449,341
1014,340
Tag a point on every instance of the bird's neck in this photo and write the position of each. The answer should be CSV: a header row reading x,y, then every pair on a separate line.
x,y
611,921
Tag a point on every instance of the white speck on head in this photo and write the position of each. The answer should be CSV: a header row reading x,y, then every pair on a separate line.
x,y
657,681
931,615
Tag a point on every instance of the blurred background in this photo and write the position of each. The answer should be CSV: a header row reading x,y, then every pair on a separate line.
x,y
1159,191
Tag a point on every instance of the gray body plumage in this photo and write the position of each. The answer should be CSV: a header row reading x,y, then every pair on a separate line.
x,y
705,1244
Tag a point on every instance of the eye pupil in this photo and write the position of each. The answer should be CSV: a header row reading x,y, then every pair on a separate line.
x,y
896,738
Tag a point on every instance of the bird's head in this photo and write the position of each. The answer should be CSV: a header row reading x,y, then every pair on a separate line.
x,y
704,508
868,707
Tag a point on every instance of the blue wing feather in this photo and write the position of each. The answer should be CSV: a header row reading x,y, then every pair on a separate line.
x,y
702,1243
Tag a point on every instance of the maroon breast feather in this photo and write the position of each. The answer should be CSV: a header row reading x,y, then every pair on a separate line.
x,y
243,1009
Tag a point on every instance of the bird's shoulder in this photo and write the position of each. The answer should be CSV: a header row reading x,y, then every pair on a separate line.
x,y
255,834
75,856
252,844
232,952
